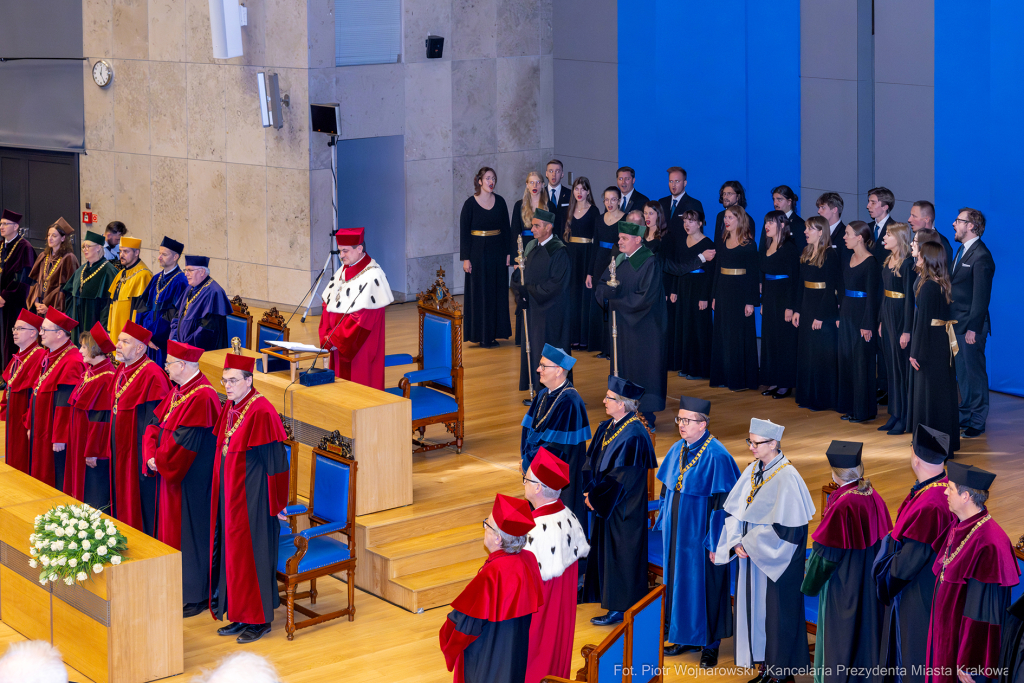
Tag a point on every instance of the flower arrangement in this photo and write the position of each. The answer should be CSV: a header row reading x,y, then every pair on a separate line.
x,y
72,541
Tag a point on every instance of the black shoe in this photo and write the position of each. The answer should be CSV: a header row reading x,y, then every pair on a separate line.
x,y
845,417
252,633
889,424
769,392
972,432
232,629
676,650
762,675
709,658
858,420
602,355
782,394
608,619
191,609
527,401
897,429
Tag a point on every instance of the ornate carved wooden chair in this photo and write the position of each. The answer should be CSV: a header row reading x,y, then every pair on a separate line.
x,y
314,553
270,329
240,322
601,663
645,637
437,397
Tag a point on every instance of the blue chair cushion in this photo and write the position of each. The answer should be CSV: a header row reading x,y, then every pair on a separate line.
x,y
437,346
655,549
323,551
1017,590
811,609
427,402
237,327
330,490
393,359
266,336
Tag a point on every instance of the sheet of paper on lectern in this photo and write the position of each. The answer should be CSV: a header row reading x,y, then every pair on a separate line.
x,y
299,347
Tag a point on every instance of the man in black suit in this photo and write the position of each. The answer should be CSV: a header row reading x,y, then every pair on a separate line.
x,y
632,200
880,203
922,215
678,202
973,270
557,195
830,207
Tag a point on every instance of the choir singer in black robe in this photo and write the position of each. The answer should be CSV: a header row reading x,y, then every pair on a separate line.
x,y
541,286
615,489
641,318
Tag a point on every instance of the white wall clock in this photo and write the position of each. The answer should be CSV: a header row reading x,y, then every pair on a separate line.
x,y
102,73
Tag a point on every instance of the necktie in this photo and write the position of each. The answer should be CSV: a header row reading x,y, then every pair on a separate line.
x,y
672,211
759,473
959,253
623,207
554,199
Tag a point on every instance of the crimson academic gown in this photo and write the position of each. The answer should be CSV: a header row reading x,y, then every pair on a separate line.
x,y
49,416
250,487
20,374
138,388
90,436
976,570
486,637
17,259
353,322
183,445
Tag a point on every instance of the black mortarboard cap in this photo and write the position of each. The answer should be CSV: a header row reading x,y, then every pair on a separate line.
x,y
625,388
12,216
931,445
844,454
970,476
174,245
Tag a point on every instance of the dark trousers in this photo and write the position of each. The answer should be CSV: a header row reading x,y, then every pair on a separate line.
x,y
972,378
147,491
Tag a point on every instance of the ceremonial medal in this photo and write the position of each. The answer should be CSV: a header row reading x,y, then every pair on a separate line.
x,y
238,423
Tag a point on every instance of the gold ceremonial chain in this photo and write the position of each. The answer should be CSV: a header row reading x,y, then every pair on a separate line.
x,y
830,503
3,259
679,484
553,402
932,485
238,423
56,361
188,301
118,392
123,279
82,280
159,289
23,362
177,402
946,558
605,442
88,378
754,488
46,275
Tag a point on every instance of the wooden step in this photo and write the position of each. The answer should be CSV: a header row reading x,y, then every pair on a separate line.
x,y
405,523
430,551
436,587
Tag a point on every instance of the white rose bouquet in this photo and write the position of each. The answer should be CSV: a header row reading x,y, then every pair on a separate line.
x,y
72,541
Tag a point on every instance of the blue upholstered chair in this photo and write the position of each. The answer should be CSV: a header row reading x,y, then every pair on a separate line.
x,y
240,322
601,663
314,552
645,636
437,397
294,507
271,329
1018,590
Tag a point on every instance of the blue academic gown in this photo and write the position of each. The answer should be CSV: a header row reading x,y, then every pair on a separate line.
x,y
157,308
691,521
202,317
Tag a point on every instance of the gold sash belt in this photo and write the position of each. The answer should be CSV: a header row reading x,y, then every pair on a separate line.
x,y
954,348
894,295
814,285
581,240
733,271
485,233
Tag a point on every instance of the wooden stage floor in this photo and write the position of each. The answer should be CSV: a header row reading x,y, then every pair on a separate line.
x,y
390,644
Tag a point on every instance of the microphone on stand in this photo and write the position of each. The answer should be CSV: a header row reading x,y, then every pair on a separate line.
x,y
328,335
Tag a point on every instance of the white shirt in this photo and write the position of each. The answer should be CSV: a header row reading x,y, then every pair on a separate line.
x,y
789,214
557,189
882,221
190,378
832,229
966,246
547,240
625,198
634,251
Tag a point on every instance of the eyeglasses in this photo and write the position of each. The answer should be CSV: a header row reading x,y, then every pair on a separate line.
x,y
685,420
49,329
168,363
549,366
230,382
488,526
961,220
756,444
23,329
610,398
525,480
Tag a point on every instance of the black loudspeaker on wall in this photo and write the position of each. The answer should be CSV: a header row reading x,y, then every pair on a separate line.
x,y
435,47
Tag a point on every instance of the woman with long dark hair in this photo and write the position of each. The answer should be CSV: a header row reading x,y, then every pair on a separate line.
x,y
534,198
780,270
606,237
580,228
734,297
486,254
689,351
858,321
815,316
932,347
897,309
657,226
52,270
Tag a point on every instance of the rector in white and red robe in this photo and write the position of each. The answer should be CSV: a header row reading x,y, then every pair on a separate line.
x,y
558,543
352,324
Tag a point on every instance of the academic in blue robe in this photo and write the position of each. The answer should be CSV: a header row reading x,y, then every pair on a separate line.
x,y
691,520
156,309
202,317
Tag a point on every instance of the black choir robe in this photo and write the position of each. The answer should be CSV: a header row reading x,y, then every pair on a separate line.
x,y
183,446
615,479
641,323
16,260
250,487
543,291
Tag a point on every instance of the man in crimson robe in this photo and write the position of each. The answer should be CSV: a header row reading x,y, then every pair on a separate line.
x,y
976,571
352,323
486,637
19,376
157,307
16,260
49,415
202,318
139,386
903,568
250,487
180,449
559,543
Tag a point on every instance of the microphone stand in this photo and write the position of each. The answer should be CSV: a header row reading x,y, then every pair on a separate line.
x,y
343,316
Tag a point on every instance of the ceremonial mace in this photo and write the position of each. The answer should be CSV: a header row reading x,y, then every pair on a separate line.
x,y
526,327
612,282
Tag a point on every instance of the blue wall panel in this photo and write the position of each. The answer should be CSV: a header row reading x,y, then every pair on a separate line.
x,y
979,98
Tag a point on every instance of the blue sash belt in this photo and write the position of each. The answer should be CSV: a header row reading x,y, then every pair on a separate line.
x,y
607,245
769,276
855,294
699,270
527,233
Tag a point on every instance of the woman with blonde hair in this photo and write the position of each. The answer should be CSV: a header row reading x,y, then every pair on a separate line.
x,y
52,269
895,317
933,392
534,198
734,296
815,315
485,250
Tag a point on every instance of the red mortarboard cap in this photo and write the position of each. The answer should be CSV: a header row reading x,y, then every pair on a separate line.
x,y
136,331
233,361
27,316
184,352
102,339
349,237
550,470
512,515
60,320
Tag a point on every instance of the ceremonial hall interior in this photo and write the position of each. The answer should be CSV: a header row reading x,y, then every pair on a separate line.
x,y
265,140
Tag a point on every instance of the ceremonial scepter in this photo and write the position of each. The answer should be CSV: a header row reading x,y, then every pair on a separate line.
x,y
613,282
526,326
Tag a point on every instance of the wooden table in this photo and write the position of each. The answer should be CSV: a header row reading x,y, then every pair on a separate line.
x,y
121,626
379,425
